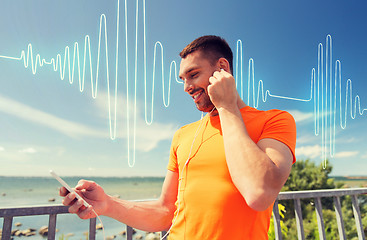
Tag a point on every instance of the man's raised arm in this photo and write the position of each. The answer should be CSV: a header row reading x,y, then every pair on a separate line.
x,y
258,170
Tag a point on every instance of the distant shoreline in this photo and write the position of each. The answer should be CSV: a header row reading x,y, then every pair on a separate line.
x,y
357,177
349,177
98,177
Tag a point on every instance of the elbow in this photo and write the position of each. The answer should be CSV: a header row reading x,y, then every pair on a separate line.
x,y
163,222
261,196
167,221
258,206
168,210
260,199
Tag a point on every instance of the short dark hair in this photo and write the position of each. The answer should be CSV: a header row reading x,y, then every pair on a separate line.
x,y
213,48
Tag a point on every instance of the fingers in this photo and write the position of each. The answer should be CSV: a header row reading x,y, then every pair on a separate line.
x,y
82,184
221,72
76,206
69,199
82,211
63,191
87,190
222,89
219,75
86,213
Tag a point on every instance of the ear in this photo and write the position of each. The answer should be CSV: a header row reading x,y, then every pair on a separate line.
x,y
223,63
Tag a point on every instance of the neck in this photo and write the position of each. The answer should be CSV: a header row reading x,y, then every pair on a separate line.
x,y
213,112
240,104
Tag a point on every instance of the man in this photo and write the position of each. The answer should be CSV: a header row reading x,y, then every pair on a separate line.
x,y
224,172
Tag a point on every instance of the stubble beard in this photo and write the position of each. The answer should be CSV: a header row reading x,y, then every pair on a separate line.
x,y
205,105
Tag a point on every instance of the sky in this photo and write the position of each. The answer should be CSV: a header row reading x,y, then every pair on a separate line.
x,y
59,61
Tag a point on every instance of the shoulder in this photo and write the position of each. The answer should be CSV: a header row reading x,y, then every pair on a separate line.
x,y
279,115
188,129
268,115
281,126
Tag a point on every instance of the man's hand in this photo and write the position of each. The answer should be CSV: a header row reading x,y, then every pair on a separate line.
x,y
90,192
222,90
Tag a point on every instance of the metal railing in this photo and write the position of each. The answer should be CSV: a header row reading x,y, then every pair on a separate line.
x,y
9,213
317,195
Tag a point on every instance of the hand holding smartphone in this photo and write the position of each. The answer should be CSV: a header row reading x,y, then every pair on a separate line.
x,y
68,187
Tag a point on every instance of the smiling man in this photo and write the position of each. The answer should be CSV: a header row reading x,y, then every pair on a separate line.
x,y
225,170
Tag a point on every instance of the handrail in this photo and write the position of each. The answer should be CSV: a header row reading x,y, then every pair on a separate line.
x,y
9,213
317,195
321,193
53,210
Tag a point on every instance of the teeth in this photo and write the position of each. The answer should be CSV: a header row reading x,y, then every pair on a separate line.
x,y
196,95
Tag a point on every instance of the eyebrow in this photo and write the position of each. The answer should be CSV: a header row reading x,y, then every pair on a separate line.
x,y
188,71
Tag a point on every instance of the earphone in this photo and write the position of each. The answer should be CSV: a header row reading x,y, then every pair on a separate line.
x,y
183,169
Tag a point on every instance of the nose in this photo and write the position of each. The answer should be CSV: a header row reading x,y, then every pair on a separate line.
x,y
188,86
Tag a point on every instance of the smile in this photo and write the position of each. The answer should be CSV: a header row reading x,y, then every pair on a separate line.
x,y
196,96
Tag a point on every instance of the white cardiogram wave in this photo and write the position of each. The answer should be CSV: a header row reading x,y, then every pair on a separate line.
x,y
63,64
324,91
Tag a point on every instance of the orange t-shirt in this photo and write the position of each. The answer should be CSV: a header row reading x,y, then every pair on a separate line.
x,y
209,206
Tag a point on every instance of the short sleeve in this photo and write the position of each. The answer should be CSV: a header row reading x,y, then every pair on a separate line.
x,y
282,127
173,164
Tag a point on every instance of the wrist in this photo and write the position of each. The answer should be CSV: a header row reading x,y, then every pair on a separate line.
x,y
234,109
109,203
116,208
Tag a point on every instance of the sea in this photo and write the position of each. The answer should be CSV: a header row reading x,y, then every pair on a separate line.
x,y
43,191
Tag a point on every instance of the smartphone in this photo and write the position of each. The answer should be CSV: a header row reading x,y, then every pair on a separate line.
x,y
68,187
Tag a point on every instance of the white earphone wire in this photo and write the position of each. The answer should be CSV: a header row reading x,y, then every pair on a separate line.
x,y
182,171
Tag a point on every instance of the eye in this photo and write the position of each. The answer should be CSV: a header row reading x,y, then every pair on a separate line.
x,y
194,75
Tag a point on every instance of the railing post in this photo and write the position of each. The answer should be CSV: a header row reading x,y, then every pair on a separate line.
x,y
339,218
51,227
276,218
129,233
92,228
299,219
320,219
163,234
357,217
8,222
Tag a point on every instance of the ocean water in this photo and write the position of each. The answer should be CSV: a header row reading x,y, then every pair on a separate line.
x,y
36,191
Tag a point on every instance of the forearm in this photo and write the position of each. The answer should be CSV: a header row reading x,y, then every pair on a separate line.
x,y
254,174
149,216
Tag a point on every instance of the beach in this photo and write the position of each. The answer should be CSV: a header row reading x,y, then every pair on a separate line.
x,y
42,191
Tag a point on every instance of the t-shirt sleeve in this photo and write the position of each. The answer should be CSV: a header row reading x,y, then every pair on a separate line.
x,y
282,127
173,164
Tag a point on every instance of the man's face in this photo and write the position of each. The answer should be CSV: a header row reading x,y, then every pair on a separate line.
x,y
195,72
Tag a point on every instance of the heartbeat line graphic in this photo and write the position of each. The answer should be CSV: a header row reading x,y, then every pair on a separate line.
x,y
324,91
325,106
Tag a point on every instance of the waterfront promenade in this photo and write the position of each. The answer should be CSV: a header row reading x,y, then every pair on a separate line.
x,y
53,211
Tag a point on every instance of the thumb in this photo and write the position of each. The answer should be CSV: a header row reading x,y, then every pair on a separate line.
x,y
85,185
